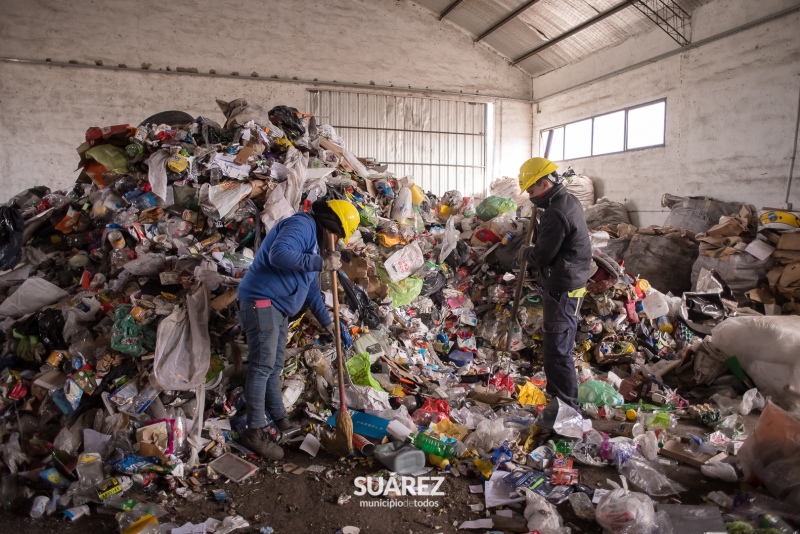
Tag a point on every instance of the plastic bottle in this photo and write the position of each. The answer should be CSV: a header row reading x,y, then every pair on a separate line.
x,y
773,521
400,457
655,304
664,324
432,445
437,461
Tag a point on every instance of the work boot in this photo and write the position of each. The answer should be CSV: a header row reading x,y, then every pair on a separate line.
x,y
259,441
284,425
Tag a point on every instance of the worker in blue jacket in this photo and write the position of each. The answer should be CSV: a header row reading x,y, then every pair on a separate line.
x,y
282,280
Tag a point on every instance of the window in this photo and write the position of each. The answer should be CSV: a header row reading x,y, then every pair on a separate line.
x,y
626,129
578,139
646,125
441,143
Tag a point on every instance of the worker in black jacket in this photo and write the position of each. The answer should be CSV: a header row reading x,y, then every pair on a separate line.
x,y
562,254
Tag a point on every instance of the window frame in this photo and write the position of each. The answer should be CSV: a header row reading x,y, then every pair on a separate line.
x,y
625,148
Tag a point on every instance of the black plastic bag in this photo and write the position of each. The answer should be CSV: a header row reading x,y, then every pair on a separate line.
x,y
11,227
51,329
287,120
360,301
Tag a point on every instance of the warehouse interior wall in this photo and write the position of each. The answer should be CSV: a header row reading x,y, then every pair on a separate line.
x,y
47,103
731,112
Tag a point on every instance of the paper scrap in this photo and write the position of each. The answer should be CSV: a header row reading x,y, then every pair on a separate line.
x,y
190,528
476,524
310,445
599,494
504,513
498,493
476,489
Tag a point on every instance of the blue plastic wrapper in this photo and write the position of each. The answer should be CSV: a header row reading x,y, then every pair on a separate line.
x,y
133,463
502,454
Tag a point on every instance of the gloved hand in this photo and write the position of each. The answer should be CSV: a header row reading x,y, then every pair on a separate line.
x,y
523,253
331,328
331,261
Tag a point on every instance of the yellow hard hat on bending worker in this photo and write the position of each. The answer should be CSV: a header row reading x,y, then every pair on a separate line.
x,y
534,170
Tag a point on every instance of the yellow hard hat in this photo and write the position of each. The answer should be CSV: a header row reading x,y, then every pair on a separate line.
x,y
348,215
780,220
534,170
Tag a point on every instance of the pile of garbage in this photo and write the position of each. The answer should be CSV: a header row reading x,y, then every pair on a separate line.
x,y
122,363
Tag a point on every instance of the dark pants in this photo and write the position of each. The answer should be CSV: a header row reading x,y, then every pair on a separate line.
x,y
265,329
561,313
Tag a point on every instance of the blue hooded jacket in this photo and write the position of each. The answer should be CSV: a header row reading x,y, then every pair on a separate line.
x,y
286,269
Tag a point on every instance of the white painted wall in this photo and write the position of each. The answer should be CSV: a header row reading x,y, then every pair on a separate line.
x,y
45,110
731,111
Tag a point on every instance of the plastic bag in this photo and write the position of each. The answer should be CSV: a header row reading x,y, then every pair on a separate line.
x,y
721,470
128,337
450,239
488,435
404,262
562,419
752,400
598,393
648,478
358,369
183,345
404,291
540,514
530,395
697,214
34,294
766,348
771,453
11,227
402,208
491,207
625,512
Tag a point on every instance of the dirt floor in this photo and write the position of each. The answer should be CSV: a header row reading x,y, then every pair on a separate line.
x,y
307,502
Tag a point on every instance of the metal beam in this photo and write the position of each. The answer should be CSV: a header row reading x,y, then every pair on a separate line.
x,y
669,16
573,31
449,8
514,14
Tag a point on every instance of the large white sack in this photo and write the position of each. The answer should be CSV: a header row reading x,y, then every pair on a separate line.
x,y
768,348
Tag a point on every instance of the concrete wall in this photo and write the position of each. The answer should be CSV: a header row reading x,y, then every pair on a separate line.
x,y
732,106
45,109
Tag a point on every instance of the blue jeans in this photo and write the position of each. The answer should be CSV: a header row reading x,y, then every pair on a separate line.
x,y
265,329
560,324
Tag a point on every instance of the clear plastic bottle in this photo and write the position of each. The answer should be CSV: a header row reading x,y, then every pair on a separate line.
x,y
400,457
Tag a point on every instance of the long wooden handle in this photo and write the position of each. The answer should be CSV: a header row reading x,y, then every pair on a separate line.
x,y
523,269
337,328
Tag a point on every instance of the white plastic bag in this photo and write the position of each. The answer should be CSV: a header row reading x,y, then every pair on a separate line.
x,y
626,512
34,294
403,207
645,476
766,348
450,239
541,515
721,470
404,262
183,346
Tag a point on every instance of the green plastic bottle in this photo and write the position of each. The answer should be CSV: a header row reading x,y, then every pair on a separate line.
x,y
431,445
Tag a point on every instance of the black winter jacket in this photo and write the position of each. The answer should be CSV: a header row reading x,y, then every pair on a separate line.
x,y
562,251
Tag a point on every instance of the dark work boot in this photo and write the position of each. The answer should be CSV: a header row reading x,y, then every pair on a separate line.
x,y
284,425
259,441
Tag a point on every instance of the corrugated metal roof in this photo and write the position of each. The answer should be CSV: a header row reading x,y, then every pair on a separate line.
x,y
546,20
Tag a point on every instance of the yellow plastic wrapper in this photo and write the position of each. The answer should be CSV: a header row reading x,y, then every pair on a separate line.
x,y
484,466
447,428
398,392
530,395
